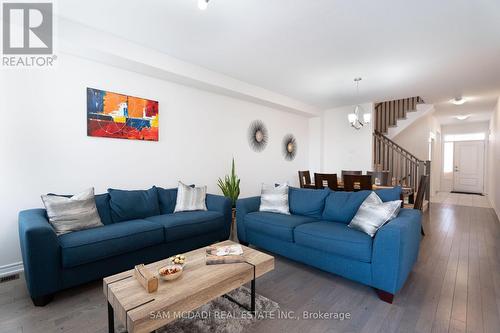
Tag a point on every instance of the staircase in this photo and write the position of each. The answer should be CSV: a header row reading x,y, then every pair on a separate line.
x,y
388,113
404,168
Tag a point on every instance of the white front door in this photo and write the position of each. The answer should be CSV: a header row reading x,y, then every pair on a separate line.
x,y
468,171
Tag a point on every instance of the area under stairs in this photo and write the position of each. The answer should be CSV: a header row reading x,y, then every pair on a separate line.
x,y
411,117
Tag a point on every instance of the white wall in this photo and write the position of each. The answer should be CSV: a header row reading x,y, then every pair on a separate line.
x,y
315,143
343,147
493,179
45,148
86,42
466,127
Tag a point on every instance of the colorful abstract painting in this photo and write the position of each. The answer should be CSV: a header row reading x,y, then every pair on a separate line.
x,y
113,115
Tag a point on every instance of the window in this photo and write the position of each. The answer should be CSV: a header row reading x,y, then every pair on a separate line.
x,y
464,137
448,157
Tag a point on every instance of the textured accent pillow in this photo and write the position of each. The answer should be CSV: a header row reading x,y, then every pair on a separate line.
x,y
274,199
78,212
102,204
190,198
373,214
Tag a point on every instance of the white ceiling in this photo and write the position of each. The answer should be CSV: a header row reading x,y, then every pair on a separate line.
x,y
312,50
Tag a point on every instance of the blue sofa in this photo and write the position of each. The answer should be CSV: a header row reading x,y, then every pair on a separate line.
x,y
139,227
316,233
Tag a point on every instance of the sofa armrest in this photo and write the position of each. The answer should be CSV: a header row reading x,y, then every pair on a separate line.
x,y
219,203
41,253
395,250
243,207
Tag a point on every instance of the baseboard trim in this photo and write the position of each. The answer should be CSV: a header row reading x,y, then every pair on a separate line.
x,y
494,208
13,268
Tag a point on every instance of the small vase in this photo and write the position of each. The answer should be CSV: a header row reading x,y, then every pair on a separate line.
x,y
233,235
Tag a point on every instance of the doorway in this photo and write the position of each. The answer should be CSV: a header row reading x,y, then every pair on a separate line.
x,y
468,166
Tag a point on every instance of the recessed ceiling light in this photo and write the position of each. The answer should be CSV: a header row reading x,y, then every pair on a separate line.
x,y
462,116
458,100
203,4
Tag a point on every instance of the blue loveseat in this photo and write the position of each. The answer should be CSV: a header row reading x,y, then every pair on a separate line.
x,y
316,233
139,227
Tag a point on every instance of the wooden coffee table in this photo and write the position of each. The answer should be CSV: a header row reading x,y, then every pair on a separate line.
x,y
198,285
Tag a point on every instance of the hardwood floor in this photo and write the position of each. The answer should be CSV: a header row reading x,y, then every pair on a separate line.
x,y
454,287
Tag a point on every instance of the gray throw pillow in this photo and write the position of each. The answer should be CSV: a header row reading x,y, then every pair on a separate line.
x,y
373,214
67,214
274,199
190,198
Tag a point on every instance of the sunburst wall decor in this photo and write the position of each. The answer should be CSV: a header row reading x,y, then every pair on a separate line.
x,y
257,135
289,147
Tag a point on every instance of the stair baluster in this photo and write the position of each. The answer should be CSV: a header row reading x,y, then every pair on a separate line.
x,y
404,167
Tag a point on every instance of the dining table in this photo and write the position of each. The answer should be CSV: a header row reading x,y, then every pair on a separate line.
x,y
406,191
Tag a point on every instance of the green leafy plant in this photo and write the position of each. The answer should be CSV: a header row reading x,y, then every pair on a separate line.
x,y
230,185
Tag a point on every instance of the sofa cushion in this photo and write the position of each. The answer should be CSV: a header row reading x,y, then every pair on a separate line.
x,y
307,202
131,205
183,225
342,206
90,245
276,225
335,238
103,208
167,198
389,194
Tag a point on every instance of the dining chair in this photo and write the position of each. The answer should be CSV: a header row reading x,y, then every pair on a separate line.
x,y
364,181
350,172
383,177
305,179
419,199
330,178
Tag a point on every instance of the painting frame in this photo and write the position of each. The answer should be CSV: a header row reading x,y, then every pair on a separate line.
x,y
121,116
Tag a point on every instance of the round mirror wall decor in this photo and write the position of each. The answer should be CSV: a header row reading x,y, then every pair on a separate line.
x,y
289,147
257,135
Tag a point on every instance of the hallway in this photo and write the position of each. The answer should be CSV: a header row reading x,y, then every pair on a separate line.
x,y
461,199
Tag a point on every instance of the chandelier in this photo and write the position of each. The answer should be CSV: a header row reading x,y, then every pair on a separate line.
x,y
354,118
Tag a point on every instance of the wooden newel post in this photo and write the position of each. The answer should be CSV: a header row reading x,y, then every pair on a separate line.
x,y
428,172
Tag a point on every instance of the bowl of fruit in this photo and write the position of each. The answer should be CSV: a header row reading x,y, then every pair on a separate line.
x,y
170,272
178,260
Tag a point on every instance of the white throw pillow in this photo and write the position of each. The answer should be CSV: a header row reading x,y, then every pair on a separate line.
x,y
373,214
274,199
68,214
190,198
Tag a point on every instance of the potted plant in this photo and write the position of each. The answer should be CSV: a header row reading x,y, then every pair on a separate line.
x,y
230,187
